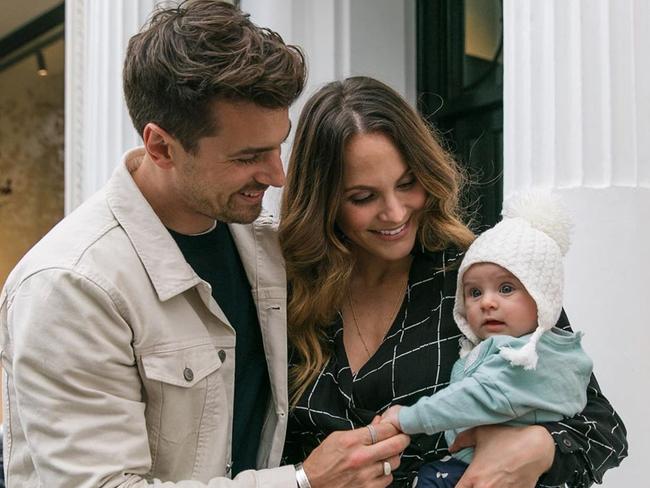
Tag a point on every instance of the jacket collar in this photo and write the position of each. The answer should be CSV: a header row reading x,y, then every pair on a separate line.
x,y
162,259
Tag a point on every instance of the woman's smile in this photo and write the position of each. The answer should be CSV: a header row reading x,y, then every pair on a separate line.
x,y
393,234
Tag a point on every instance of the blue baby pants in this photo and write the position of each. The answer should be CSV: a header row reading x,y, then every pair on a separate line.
x,y
441,474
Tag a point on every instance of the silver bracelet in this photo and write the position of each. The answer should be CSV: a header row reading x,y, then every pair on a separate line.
x,y
301,477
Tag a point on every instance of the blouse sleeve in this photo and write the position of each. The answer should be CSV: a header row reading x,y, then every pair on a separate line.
x,y
588,444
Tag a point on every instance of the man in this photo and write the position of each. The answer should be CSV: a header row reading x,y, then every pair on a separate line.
x,y
144,338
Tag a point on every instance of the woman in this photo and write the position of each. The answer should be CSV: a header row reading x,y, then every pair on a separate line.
x,y
372,233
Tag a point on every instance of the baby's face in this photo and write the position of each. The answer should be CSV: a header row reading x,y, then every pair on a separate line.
x,y
496,303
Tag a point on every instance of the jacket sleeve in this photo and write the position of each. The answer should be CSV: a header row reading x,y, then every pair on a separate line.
x,y
466,403
77,387
588,444
497,392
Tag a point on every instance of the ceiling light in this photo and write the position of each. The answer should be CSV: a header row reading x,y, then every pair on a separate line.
x,y
40,61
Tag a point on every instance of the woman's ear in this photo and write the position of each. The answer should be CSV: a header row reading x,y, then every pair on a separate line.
x,y
157,143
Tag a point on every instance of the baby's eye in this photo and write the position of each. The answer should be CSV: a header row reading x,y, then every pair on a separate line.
x,y
507,288
474,292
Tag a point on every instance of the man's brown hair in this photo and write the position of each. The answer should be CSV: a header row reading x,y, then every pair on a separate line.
x,y
200,51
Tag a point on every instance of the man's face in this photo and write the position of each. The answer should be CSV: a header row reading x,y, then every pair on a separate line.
x,y
227,176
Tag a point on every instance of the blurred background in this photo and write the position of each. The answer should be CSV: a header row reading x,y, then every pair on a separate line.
x,y
31,125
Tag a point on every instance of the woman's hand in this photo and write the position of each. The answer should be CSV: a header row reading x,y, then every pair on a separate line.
x,y
505,457
349,458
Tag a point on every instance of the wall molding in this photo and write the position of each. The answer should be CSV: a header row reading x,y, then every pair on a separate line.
x,y
75,50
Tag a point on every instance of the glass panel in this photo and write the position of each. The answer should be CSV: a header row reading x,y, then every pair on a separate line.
x,y
483,43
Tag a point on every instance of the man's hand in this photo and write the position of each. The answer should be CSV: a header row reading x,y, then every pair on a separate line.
x,y
505,457
349,458
392,416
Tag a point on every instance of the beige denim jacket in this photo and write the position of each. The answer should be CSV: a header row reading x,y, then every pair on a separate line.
x,y
118,363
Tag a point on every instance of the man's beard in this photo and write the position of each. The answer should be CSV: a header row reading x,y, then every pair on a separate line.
x,y
240,215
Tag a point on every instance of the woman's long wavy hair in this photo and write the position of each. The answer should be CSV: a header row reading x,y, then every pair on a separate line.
x,y
319,263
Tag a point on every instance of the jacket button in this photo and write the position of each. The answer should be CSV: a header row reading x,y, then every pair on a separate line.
x,y
222,355
188,374
567,442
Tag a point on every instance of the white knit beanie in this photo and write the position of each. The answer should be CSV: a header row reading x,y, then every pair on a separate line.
x,y
529,242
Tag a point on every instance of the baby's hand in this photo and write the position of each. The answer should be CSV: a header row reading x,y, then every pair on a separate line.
x,y
392,416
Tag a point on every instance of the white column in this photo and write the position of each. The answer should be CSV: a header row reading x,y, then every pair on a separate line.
x,y
577,120
98,128
343,38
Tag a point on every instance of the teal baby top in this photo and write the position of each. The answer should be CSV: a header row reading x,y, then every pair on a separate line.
x,y
486,389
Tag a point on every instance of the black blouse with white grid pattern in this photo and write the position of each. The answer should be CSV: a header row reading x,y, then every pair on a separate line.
x,y
415,359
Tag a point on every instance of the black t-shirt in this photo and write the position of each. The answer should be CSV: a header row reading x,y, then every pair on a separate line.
x,y
214,257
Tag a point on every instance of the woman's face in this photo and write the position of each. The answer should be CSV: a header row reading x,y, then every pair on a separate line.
x,y
382,200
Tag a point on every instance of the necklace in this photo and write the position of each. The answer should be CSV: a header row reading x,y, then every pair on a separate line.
x,y
398,302
207,231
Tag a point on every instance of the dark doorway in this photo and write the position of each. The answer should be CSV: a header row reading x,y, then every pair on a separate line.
x,y
460,91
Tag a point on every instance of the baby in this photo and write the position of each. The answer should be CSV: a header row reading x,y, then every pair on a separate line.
x,y
515,366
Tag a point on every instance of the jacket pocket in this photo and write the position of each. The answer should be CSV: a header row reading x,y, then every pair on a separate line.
x,y
184,367
186,404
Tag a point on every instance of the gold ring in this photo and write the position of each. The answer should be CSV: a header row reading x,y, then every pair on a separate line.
x,y
373,434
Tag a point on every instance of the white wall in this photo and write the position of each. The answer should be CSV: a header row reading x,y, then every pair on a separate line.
x,y
606,292
577,120
382,42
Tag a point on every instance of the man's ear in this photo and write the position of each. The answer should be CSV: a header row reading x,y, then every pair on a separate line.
x,y
158,144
